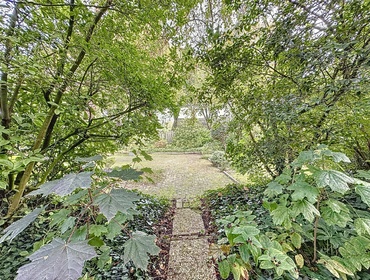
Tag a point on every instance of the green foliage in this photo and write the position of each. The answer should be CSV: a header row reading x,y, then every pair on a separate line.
x,y
116,200
103,88
191,134
315,220
288,83
138,248
17,227
87,214
65,185
252,248
219,160
310,179
58,259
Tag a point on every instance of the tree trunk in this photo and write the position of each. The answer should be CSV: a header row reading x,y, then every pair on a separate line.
x,y
48,119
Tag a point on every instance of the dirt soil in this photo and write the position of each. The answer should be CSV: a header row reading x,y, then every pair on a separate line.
x,y
184,176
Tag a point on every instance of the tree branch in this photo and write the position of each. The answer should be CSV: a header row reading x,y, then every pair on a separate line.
x,y
5,114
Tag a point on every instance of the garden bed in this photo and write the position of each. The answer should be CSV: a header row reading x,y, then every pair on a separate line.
x,y
233,200
155,217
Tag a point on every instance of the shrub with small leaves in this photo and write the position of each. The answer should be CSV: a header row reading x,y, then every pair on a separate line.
x,y
191,134
219,160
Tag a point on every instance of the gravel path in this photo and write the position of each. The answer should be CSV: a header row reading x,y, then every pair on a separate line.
x,y
183,177
179,176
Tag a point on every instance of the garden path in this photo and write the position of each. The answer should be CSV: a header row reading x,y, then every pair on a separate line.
x,y
184,177
176,176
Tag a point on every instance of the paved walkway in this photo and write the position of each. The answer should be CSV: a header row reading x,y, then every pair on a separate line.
x,y
189,248
183,177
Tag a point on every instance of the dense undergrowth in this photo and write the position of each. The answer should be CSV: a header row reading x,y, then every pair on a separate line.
x,y
152,218
237,211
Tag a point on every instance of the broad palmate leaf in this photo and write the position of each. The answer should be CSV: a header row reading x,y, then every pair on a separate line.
x,y
281,216
126,174
117,200
89,159
138,247
273,189
17,227
335,180
65,185
304,190
355,253
58,261
363,189
363,174
362,226
306,208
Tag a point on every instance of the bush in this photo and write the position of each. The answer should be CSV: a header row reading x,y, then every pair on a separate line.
x,y
316,227
191,134
219,160
211,147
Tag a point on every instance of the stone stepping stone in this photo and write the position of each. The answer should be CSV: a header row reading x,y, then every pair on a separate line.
x,y
189,248
189,260
187,222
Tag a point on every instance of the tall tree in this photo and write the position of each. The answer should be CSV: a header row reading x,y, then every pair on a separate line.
x,y
294,74
78,78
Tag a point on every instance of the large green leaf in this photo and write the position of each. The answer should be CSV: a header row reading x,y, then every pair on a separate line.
x,y
304,158
248,231
337,156
89,159
306,208
355,253
334,218
334,267
98,230
363,189
17,227
118,200
281,216
126,174
5,162
115,225
57,260
138,247
363,174
59,217
362,226
304,190
296,240
335,180
273,189
224,269
337,206
65,185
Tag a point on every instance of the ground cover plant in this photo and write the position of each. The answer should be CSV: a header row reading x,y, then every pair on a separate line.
x,y
314,223
79,217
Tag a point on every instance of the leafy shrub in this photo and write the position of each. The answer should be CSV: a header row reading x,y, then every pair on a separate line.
x,y
219,160
210,147
91,211
318,226
191,134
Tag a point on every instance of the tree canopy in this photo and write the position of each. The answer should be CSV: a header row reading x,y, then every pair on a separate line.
x,y
80,78
293,74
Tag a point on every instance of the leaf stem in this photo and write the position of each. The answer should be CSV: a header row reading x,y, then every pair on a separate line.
x,y
78,219
315,231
